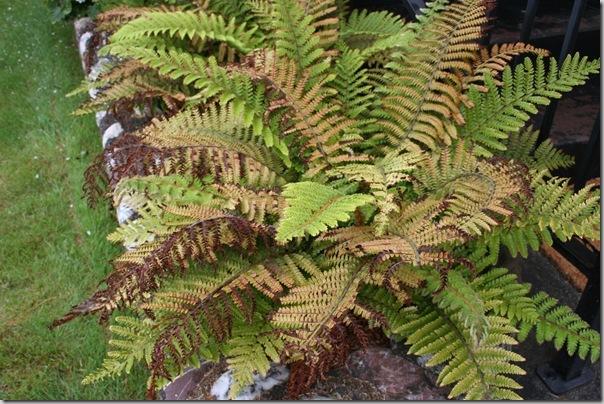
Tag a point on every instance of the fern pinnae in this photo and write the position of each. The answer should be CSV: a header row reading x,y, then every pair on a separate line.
x,y
500,111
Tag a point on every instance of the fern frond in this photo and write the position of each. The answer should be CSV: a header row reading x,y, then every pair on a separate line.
x,y
476,371
250,351
136,88
313,208
319,126
352,84
202,240
131,341
510,298
423,96
216,127
492,61
363,28
255,204
295,39
477,191
546,156
563,326
189,25
459,296
307,313
325,20
501,111
222,303
110,20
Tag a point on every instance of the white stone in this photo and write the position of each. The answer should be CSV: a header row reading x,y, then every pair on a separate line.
x,y
112,132
99,117
277,374
84,42
96,70
124,213
220,388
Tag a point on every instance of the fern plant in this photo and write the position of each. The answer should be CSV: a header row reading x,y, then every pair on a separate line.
x,y
316,174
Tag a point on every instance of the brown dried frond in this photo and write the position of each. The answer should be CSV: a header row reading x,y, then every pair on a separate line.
x,y
128,156
325,20
201,240
344,338
422,105
308,113
96,181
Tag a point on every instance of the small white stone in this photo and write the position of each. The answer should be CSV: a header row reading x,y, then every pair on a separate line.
x,y
220,388
96,70
112,132
35,157
276,375
67,158
99,117
88,232
37,176
84,42
124,213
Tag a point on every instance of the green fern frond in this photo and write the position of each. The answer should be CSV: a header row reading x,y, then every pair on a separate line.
x,y
504,110
476,371
192,26
363,28
295,40
521,147
510,298
313,208
250,350
459,296
563,326
352,84
131,342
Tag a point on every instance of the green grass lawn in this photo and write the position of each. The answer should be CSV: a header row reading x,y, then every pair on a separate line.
x,y
53,250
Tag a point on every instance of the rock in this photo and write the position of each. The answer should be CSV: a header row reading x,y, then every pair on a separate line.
x,y
111,133
277,374
394,375
83,42
181,386
342,386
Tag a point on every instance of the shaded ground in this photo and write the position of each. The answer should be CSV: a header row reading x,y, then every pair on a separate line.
x,y
52,247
